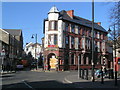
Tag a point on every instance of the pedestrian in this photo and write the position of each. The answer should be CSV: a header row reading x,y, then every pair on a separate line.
x,y
45,66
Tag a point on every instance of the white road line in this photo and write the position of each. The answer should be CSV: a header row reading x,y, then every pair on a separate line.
x,y
68,81
28,85
71,82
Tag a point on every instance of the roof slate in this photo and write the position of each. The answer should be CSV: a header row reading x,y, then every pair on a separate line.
x,y
15,32
81,21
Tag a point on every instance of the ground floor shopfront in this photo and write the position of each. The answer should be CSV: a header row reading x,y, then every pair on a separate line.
x,y
69,59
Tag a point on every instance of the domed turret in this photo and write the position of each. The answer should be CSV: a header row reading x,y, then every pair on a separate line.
x,y
53,10
53,14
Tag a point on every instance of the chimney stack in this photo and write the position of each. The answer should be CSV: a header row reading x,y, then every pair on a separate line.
x,y
99,23
70,13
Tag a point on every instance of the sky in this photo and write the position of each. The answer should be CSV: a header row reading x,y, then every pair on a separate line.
x,y
29,16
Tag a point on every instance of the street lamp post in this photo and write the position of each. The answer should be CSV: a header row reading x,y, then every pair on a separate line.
x,y
35,46
115,61
93,41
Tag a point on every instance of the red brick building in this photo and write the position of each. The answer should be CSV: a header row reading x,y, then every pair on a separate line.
x,y
67,40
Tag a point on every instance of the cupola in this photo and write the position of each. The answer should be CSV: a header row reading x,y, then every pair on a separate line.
x,y
53,14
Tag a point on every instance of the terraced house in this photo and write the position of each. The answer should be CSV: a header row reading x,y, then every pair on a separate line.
x,y
67,40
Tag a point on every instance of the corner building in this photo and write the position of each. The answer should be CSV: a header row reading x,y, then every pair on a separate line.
x,y
67,41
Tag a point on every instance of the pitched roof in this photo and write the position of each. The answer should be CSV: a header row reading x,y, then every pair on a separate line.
x,y
81,21
29,44
32,44
36,44
15,32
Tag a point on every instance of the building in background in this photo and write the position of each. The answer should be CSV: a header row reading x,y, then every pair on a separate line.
x,y
30,48
18,41
67,39
12,44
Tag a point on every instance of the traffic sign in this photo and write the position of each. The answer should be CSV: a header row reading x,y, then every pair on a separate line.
x,y
3,52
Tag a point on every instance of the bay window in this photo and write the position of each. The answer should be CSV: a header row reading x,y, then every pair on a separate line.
x,y
53,25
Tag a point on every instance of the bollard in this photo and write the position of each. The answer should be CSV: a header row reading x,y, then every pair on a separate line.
x,y
109,74
86,74
112,74
102,80
82,73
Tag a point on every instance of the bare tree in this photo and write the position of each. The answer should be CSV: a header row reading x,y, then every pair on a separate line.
x,y
115,23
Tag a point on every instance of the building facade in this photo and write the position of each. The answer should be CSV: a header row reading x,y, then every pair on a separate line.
x,y
34,49
17,42
12,44
67,41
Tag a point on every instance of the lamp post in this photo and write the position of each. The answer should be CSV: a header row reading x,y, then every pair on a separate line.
x,y
115,61
93,41
35,46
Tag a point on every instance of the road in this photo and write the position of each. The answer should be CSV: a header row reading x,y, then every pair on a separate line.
x,y
35,80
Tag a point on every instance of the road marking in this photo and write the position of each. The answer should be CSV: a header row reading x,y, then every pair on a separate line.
x,y
28,85
68,81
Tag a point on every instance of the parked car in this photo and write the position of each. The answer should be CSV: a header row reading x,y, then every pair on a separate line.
x,y
24,63
98,73
19,67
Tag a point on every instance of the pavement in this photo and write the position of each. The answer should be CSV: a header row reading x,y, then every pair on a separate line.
x,y
83,83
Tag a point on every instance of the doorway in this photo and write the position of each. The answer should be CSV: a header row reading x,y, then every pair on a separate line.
x,y
52,61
